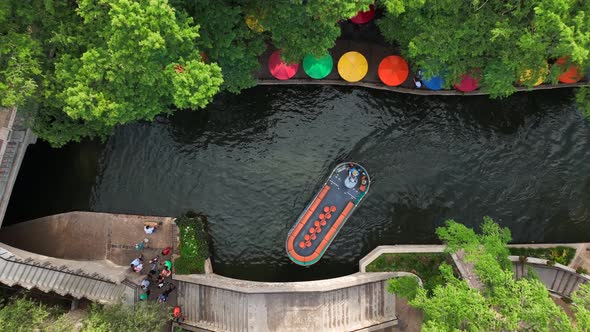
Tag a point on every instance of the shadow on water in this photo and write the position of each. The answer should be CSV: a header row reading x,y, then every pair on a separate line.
x,y
251,162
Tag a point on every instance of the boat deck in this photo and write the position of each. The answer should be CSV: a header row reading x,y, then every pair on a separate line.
x,y
325,215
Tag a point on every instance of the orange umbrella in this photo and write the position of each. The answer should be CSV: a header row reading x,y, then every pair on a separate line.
x,y
301,244
333,208
393,70
572,75
326,209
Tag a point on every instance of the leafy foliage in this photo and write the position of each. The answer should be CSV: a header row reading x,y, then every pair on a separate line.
x,y
22,314
303,27
143,316
426,266
226,40
496,41
106,63
503,303
19,53
406,286
125,72
194,248
559,254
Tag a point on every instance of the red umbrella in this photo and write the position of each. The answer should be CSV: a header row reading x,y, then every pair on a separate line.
x,y
364,17
279,69
393,70
572,75
468,83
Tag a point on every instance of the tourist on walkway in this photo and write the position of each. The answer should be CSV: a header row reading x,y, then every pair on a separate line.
x,y
137,264
163,275
145,284
418,79
154,266
166,251
149,229
164,296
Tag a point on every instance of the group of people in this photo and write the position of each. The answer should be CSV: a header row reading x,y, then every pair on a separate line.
x,y
159,272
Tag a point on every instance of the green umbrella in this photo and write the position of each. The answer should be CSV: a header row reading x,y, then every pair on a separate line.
x,y
317,68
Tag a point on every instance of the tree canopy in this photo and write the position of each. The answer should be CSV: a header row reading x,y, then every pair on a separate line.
x,y
23,314
108,63
495,41
503,303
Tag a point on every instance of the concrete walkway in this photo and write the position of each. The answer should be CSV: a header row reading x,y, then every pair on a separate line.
x,y
90,236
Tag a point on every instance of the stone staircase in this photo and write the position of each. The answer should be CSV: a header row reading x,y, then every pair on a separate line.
x,y
74,278
15,139
557,278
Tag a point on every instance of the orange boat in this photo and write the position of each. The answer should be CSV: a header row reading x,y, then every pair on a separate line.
x,y
325,215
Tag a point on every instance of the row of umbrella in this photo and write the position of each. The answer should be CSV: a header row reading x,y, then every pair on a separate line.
x,y
393,71
352,67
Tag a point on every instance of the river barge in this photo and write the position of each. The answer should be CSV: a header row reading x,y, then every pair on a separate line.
x,y
324,216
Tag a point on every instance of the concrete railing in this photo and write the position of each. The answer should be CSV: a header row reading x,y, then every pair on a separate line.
x,y
350,303
558,278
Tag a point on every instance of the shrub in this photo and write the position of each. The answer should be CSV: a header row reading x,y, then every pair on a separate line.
x,y
560,254
581,270
406,286
194,248
144,316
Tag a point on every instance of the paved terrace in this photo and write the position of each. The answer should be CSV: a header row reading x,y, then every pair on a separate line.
x,y
77,237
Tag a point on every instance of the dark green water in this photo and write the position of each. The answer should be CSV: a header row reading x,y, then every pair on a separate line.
x,y
253,161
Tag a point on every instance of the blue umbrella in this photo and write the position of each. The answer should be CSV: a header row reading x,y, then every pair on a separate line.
x,y
434,83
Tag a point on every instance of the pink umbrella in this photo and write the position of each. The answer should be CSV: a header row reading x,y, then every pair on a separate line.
x,y
468,83
279,69
364,17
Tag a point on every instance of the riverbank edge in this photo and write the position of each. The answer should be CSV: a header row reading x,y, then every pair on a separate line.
x,y
421,92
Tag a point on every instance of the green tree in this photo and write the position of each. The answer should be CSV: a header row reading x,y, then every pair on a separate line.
x,y
22,314
495,41
226,40
114,62
125,72
304,27
503,303
19,53
144,316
